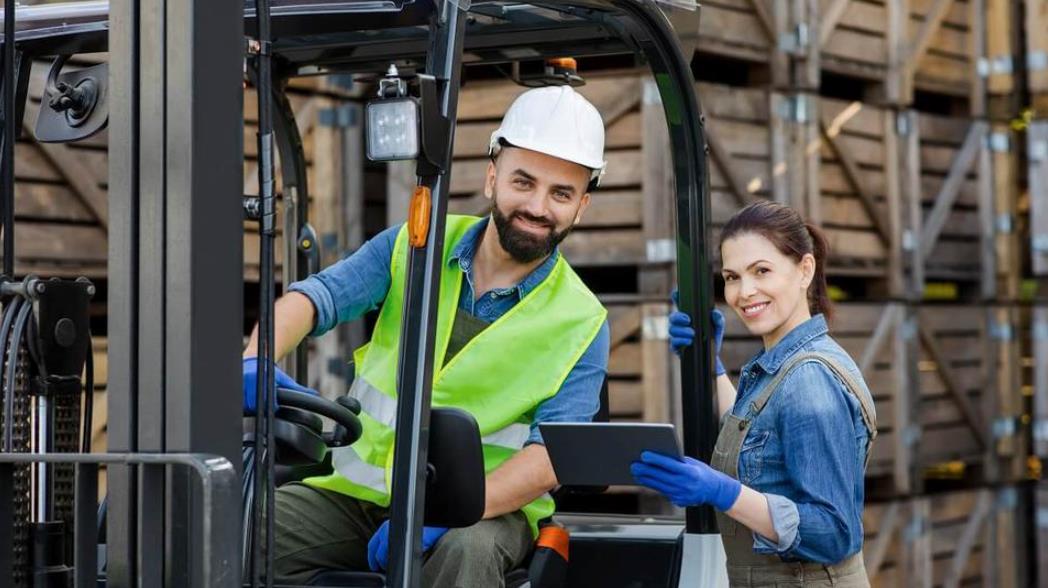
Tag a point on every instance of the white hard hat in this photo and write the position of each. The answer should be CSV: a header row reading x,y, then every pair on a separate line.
x,y
557,121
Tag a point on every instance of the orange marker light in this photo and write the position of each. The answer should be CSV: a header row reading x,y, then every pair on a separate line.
x,y
418,217
556,538
567,63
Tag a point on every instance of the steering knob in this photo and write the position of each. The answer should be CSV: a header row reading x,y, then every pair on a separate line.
x,y
350,403
344,416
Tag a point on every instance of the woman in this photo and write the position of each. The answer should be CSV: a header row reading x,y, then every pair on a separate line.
x,y
787,472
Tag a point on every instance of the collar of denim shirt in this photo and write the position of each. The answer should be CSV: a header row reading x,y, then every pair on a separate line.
x,y
771,360
464,251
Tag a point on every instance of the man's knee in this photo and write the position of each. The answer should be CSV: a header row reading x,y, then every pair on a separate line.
x,y
501,542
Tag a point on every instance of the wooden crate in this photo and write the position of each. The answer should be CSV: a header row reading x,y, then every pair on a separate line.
x,y
930,45
905,198
936,375
960,538
61,203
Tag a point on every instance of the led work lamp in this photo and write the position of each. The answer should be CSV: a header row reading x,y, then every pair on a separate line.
x,y
392,121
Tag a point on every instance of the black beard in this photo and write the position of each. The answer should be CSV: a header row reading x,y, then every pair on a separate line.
x,y
523,246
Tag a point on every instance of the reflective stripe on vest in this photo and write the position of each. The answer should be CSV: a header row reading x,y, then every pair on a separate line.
x,y
500,376
383,409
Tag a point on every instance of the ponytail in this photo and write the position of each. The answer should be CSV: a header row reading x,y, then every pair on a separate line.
x,y
818,292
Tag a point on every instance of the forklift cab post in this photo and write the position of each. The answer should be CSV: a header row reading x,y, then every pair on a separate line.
x,y
437,37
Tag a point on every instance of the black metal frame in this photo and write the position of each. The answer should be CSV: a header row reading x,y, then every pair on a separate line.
x,y
174,164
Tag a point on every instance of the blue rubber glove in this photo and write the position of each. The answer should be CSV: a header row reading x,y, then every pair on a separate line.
x,y
682,334
250,365
686,483
378,546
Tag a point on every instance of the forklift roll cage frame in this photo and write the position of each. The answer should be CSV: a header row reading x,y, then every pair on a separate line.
x,y
170,182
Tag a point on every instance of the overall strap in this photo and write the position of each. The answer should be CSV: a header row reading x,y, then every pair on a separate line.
x,y
865,404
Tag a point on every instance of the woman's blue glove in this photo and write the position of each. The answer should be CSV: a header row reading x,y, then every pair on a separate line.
x,y
378,546
682,334
686,483
283,380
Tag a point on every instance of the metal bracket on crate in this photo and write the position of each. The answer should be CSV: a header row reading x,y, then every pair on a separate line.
x,y
797,108
1037,60
1005,223
902,123
655,328
1038,151
339,117
1002,64
912,435
1040,430
1042,517
915,529
1040,243
999,142
1004,427
795,41
661,250
1002,331
1007,499
909,241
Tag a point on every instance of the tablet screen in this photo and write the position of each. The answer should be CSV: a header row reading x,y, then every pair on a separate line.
x,y
600,454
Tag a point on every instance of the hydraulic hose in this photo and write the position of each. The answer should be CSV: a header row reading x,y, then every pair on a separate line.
x,y
10,373
5,333
89,396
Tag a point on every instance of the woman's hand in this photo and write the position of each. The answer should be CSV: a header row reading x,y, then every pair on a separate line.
x,y
686,483
682,334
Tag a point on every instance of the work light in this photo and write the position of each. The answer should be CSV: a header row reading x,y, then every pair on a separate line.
x,y
392,129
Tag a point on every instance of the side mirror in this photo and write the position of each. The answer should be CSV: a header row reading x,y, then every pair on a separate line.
x,y
455,485
75,104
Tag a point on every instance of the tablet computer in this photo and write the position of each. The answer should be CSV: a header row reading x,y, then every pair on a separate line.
x,y
600,454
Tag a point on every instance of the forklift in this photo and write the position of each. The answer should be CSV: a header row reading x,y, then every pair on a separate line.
x,y
190,493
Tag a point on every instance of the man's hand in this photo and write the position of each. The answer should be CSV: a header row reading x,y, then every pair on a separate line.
x,y
378,546
283,380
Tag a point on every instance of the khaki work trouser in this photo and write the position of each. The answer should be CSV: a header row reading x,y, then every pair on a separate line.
x,y
318,529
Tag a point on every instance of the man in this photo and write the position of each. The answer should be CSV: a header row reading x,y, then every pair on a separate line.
x,y
520,340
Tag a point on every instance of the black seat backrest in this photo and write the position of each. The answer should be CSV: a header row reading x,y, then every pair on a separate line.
x,y
603,413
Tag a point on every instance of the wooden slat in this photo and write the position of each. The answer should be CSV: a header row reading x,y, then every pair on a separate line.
x,y
723,159
931,345
932,20
947,195
852,172
879,548
830,18
967,540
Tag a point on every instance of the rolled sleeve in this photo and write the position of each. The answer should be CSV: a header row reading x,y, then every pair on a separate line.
x,y
785,519
348,288
579,396
322,300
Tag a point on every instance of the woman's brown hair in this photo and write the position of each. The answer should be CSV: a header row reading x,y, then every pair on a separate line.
x,y
785,228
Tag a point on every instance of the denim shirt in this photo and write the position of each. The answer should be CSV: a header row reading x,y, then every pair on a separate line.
x,y
806,450
358,283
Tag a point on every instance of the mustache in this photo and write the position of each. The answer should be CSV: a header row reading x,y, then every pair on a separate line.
x,y
539,220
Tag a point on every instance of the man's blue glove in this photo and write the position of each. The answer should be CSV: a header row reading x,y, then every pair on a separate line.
x,y
682,334
283,380
378,546
686,483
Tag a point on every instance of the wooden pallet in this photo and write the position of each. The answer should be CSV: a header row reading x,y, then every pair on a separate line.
x,y
953,539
